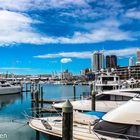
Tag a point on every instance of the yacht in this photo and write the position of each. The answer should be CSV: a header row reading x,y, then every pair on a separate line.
x,y
107,81
105,101
7,88
121,123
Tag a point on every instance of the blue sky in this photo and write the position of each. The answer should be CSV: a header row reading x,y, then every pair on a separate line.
x,y
44,36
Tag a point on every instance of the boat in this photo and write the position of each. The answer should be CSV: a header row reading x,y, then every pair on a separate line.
x,y
105,101
107,81
52,126
7,88
121,123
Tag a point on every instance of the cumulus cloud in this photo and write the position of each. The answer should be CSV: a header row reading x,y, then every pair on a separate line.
x,y
88,54
17,27
66,60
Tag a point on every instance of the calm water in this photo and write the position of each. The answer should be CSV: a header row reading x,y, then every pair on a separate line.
x,y
13,124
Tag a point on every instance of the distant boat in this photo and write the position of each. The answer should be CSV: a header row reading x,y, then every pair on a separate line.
x,y
7,88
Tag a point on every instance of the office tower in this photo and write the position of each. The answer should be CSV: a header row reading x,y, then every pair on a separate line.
x,y
138,57
98,60
111,61
131,61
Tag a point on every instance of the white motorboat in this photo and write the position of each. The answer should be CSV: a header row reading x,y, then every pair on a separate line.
x,y
121,123
105,101
7,88
52,126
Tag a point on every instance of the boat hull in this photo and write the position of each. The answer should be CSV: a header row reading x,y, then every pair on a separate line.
x,y
10,90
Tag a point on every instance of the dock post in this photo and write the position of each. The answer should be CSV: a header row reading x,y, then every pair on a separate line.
x,y
26,87
21,87
67,124
93,101
41,97
74,92
91,88
37,102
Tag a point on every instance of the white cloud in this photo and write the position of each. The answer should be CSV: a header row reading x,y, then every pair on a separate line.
x,y
24,5
16,27
66,60
88,54
133,13
123,52
67,54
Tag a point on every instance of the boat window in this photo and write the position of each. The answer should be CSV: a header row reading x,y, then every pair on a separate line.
x,y
109,97
108,78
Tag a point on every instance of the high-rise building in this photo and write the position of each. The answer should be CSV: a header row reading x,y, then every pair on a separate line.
x,y
111,61
131,61
98,60
138,57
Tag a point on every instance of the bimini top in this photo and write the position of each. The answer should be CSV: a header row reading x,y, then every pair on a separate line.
x,y
128,113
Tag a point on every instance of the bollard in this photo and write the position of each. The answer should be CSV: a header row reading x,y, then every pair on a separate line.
x,y
74,92
93,101
67,124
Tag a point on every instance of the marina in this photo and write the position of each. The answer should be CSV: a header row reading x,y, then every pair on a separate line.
x,y
13,109
70,70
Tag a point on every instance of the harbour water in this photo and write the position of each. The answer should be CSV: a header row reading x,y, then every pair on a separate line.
x,y
13,109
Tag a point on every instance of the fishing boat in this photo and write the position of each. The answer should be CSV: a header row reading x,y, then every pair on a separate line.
x,y
121,123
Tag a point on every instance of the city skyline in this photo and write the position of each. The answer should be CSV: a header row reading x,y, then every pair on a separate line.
x,y
44,36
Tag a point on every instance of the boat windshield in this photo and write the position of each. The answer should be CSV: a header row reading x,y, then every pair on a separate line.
x,y
117,130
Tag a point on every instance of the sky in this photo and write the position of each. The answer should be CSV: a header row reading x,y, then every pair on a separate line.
x,y
47,36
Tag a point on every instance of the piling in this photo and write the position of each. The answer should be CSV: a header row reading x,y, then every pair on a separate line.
x,y
21,86
93,101
41,90
91,89
37,102
67,124
26,87
74,92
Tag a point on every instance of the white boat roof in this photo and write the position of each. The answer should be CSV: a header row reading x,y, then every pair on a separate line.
x,y
119,93
128,113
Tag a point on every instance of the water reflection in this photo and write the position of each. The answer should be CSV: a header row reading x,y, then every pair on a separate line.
x,y
12,108
6,100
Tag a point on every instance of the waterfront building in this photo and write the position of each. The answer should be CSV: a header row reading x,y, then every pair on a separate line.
x,y
138,57
128,72
66,75
111,61
98,61
131,61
